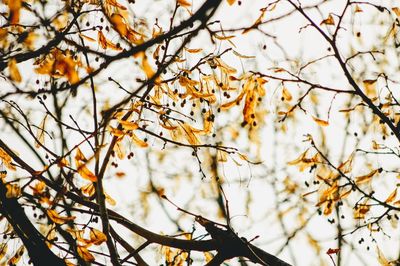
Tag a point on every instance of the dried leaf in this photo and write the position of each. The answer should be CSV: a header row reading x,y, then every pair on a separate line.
x,y
13,190
87,37
256,23
109,200
40,134
148,70
3,250
104,43
328,21
138,141
396,10
190,134
119,24
184,3
88,189
77,234
6,160
58,219
97,237
286,95
392,196
63,162
361,210
15,8
383,261
85,254
223,37
14,72
114,3
222,156
83,171
194,51
331,251
370,87
243,56
17,256
365,178
321,122
347,166
207,255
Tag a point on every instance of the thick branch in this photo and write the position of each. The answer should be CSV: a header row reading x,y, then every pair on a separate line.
x,y
38,251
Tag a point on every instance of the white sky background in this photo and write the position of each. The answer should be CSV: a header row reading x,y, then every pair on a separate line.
x,y
260,219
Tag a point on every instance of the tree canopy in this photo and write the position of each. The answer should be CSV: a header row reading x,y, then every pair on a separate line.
x,y
199,132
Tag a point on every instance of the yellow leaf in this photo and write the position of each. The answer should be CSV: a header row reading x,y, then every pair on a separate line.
x,y
345,194
223,66
104,43
3,250
208,122
63,162
321,122
286,94
328,21
237,101
110,200
87,37
6,160
257,22
148,70
138,141
68,263
79,156
328,208
13,191
40,133
116,132
38,188
243,56
370,87
223,37
97,237
83,171
392,196
396,10
207,255
347,166
365,178
77,234
375,145
15,7
119,24
361,210
383,261
190,134
14,72
194,51
58,219
59,64
17,256
222,156
114,3
85,254
128,125
88,189
184,3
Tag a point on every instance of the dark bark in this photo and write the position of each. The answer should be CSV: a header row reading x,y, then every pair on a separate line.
x,y
38,251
